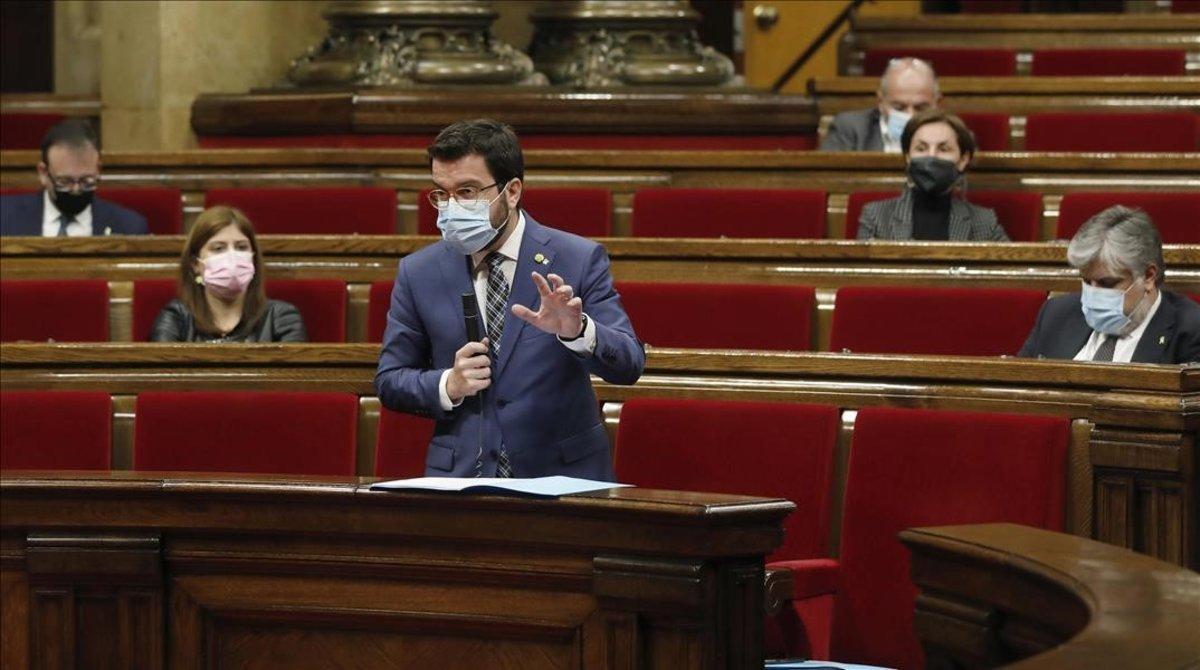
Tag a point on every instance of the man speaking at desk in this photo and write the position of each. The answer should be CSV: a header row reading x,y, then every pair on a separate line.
x,y
519,403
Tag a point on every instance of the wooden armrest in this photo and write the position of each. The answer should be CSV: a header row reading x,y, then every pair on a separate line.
x,y
778,584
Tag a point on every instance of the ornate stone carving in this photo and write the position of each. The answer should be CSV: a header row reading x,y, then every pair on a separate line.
x,y
604,43
410,43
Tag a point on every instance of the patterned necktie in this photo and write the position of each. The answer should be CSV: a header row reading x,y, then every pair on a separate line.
x,y
64,221
497,298
1106,349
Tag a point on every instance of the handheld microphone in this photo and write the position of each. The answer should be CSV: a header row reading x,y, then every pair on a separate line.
x,y
471,317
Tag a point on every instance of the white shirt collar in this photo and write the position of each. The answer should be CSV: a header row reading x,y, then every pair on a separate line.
x,y
1135,335
889,145
81,227
511,248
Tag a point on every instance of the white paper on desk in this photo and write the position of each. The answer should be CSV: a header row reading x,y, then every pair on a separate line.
x,y
820,665
547,487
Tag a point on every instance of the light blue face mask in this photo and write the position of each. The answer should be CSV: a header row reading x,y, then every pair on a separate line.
x,y
1104,310
896,121
469,231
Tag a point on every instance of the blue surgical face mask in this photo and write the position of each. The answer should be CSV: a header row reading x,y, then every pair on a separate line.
x,y
896,121
469,231
1104,310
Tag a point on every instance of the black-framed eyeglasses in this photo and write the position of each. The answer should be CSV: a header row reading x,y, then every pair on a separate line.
x,y
466,196
88,183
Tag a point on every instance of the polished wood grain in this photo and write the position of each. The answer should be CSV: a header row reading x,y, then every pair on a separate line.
x,y
315,572
49,103
996,594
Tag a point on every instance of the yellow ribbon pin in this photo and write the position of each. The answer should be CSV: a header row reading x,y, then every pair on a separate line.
x,y
540,259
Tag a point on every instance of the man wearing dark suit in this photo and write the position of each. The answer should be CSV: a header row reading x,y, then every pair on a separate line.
x,y
69,172
908,86
519,403
1122,314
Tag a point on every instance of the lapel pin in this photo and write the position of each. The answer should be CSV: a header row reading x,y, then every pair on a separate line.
x,y
107,230
541,259
1162,340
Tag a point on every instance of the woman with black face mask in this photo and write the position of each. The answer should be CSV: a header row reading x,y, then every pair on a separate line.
x,y
937,146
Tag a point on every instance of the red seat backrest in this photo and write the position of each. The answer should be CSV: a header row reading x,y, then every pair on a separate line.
x,y
1126,132
913,468
933,320
1176,215
583,211
1019,212
728,212
991,130
1185,6
777,450
312,211
66,310
322,305
55,430
720,316
1109,62
263,432
949,62
25,131
401,444
162,207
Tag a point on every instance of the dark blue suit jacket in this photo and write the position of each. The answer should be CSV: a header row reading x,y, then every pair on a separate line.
x,y
540,404
1172,336
22,215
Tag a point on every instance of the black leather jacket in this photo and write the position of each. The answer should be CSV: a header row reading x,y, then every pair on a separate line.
x,y
281,322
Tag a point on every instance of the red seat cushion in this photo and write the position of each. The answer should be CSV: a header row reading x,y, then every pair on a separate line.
x,y
55,430
68,310
720,316
25,131
1185,6
401,444
778,450
991,130
312,211
162,207
265,432
913,468
378,304
1019,212
586,212
1132,132
1109,62
728,212
149,298
933,320
1176,215
948,62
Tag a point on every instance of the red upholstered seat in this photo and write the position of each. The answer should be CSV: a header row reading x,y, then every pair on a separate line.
x,y
720,316
933,320
265,432
1131,132
1109,62
1019,212
69,310
162,207
377,309
322,304
1185,6
949,62
401,444
728,212
25,131
991,130
584,211
1176,215
312,211
55,430
912,468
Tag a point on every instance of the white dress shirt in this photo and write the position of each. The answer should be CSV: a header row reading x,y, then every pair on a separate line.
x,y
511,248
1125,345
51,220
891,146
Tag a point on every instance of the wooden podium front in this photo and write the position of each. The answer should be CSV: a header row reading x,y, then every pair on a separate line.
x,y
137,570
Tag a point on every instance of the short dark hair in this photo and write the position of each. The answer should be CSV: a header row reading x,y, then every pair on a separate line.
x,y
966,138
74,133
493,140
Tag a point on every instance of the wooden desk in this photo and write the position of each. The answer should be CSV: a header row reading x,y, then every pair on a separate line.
x,y
1132,480
123,570
996,593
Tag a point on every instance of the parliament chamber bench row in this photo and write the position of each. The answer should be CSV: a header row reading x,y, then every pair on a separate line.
x,y
919,320
655,212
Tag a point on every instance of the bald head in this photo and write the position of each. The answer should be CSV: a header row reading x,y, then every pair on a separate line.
x,y
908,85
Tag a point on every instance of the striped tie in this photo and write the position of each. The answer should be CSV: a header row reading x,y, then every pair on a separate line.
x,y
497,298
1106,349
64,221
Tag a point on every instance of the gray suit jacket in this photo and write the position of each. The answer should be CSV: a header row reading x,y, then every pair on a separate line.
x,y
854,131
892,220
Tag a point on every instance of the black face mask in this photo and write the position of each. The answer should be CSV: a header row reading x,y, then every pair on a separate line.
x,y
71,204
933,175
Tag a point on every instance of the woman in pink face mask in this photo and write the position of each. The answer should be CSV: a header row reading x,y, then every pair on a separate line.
x,y
221,296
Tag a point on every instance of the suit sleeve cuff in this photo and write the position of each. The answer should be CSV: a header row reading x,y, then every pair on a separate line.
x,y
444,395
585,344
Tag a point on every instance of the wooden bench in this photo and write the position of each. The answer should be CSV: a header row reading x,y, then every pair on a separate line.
x,y
1132,467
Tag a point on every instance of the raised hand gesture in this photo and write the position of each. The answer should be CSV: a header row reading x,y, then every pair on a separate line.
x,y
560,312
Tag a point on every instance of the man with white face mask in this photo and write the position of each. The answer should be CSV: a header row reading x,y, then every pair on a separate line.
x,y
519,403
1122,314
908,86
